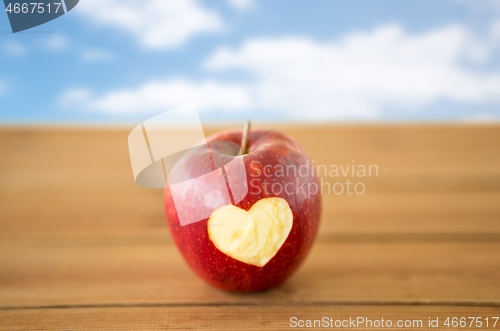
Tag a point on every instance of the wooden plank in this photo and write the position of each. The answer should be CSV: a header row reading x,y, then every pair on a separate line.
x,y
85,271
244,317
441,179
399,151
141,214
412,212
77,234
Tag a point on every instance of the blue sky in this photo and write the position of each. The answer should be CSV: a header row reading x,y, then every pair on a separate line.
x,y
123,61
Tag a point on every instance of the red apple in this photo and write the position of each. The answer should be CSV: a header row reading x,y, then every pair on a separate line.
x,y
260,241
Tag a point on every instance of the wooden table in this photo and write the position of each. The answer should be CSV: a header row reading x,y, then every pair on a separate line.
x,y
83,247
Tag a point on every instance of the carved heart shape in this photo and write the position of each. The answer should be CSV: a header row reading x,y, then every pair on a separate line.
x,y
253,236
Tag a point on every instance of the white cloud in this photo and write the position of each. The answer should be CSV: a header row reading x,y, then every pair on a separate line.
x,y
241,4
51,42
97,55
156,24
14,48
357,76
160,96
481,5
361,74
481,118
56,42
495,30
76,98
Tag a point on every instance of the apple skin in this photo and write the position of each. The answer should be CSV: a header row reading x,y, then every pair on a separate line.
x,y
268,147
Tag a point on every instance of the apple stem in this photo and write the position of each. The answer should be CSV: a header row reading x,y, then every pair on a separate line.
x,y
244,138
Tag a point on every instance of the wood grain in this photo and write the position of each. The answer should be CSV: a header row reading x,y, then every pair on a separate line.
x,y
82,246
273,317
85,272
